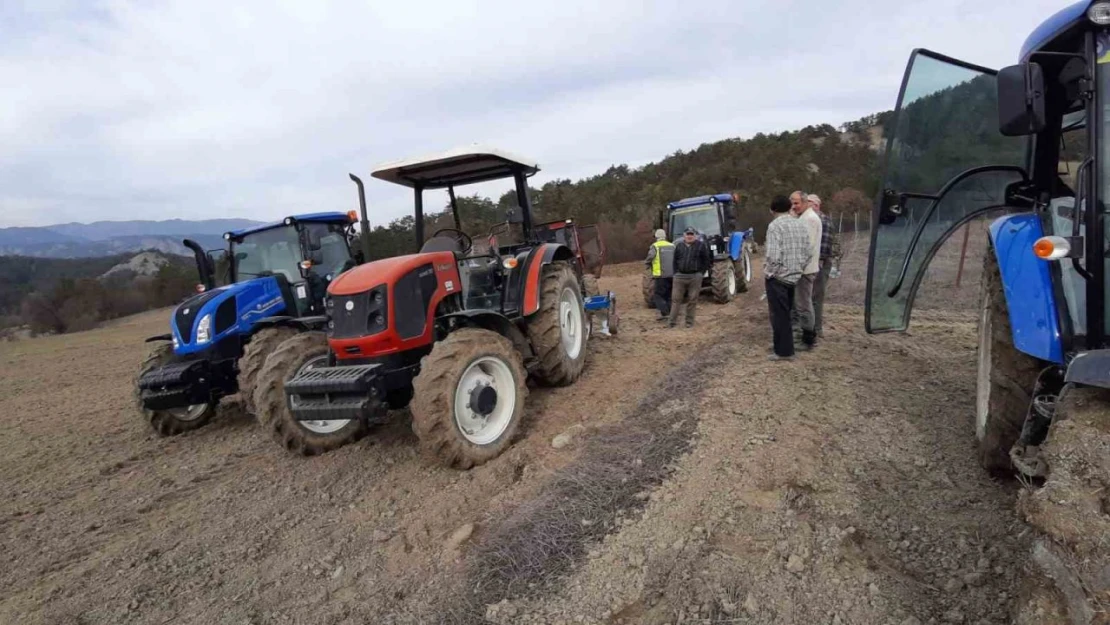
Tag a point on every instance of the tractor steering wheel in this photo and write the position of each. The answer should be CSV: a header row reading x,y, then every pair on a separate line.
x,y
464,240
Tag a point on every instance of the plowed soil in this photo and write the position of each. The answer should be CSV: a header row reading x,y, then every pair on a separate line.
x,y
713,487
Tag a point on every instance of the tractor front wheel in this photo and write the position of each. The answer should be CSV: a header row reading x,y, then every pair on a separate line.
x,y
558,330
743,270
722,280
1005,379
299,353
261,345
647,284
175,420
469,397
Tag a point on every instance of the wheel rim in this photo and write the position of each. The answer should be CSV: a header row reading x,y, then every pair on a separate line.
x,y
189,413
570,323
329,426
983,374
485,400
731,281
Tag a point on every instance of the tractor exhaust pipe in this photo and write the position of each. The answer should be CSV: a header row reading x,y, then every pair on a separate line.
x,y
364,223
204,268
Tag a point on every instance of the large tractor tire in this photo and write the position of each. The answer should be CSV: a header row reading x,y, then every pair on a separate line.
x,y
1005,379
722,281
298,353
647,285
743,268
176,420
261,345
559,329
469,398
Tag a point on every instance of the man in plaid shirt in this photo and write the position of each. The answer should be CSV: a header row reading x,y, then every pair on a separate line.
x,y
829,240
787,253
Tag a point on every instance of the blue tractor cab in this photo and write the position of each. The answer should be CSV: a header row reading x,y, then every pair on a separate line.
x,y
1023,150
714,218
268,284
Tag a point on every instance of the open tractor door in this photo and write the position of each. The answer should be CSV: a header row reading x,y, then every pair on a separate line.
x,y
1012,148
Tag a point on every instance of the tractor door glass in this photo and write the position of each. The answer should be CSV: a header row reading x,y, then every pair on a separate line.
x,y
334,250
276,251
1102,79
1063,215
946,123
704,219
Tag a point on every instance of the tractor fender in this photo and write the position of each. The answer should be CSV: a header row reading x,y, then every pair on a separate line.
x,y
533,264
495,322
736,243
304,324
161,337
1027,284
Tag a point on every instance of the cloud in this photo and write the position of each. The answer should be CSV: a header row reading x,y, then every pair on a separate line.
x,y
199,109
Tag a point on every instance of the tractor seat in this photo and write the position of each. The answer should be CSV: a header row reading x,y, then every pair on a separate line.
x,y
442,244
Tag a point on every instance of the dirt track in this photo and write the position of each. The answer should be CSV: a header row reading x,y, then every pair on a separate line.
x,y
839,488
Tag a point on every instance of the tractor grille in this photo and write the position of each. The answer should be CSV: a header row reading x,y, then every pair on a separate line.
x,y
362,314
187,313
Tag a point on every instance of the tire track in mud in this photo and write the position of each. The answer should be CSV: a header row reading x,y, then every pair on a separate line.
x,y
530,549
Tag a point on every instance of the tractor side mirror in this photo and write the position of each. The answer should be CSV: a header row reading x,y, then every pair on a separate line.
x,y
312,240
1021,100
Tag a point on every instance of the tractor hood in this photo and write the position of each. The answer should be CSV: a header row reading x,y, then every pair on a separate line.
x,y
207,318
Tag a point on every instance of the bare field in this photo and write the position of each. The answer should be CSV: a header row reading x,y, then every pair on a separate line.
x,y
839,488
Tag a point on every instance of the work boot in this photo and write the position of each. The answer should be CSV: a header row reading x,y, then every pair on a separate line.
x,y
777,358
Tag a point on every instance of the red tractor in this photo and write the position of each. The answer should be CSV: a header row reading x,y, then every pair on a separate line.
x,y
584,241
451,332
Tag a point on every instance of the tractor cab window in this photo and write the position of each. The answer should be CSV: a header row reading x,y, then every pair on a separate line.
x,y
276,251
334,249
702,218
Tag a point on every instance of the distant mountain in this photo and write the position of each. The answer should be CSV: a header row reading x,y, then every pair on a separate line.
x,y
107,238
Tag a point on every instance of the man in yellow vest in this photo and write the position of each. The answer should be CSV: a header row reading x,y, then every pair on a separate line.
x,y
661,260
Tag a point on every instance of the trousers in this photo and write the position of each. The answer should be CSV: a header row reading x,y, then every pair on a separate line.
x,y
687,288
780,299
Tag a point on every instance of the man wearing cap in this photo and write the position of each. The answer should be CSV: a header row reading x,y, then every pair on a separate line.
x,y
691,261
828,243
660,260
803,292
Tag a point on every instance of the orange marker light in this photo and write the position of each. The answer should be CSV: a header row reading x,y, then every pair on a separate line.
x,y
1051,248
352,215
306,264
510,263
200,288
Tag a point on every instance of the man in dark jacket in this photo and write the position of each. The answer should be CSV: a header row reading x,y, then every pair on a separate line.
x,y
691,261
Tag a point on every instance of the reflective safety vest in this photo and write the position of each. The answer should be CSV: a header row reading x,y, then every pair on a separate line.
x,y
657,262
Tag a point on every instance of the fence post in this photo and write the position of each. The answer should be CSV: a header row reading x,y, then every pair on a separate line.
x,y
963,253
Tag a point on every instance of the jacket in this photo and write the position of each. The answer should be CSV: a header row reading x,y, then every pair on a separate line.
x,y
661,259
693,258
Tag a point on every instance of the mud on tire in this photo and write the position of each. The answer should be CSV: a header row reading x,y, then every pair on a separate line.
x,y
169,422
557,325
261,345
273,409
1005,380
435,419
722,280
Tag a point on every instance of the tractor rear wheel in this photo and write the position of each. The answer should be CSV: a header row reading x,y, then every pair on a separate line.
x,y
558,329
261,345
469,397
743,270
1005,379
722,281
647,284
301,352
175,420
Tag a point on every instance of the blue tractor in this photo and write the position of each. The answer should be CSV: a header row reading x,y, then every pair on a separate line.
x,y
714,217
1023,149
266,286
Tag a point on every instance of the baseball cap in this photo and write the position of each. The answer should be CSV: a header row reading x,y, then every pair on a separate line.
x,y
690,230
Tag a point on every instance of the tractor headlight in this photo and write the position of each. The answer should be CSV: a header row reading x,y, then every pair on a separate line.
x,y
204,329
1099,13
713,248
176,343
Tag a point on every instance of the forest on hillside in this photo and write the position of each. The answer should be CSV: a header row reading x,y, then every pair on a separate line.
x,y
839,164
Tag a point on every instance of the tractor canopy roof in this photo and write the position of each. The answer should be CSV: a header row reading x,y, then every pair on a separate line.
x,y
1054,27
328,218
701,199
456,167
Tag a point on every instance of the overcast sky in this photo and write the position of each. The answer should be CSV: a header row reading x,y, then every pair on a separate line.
x,y
199,109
